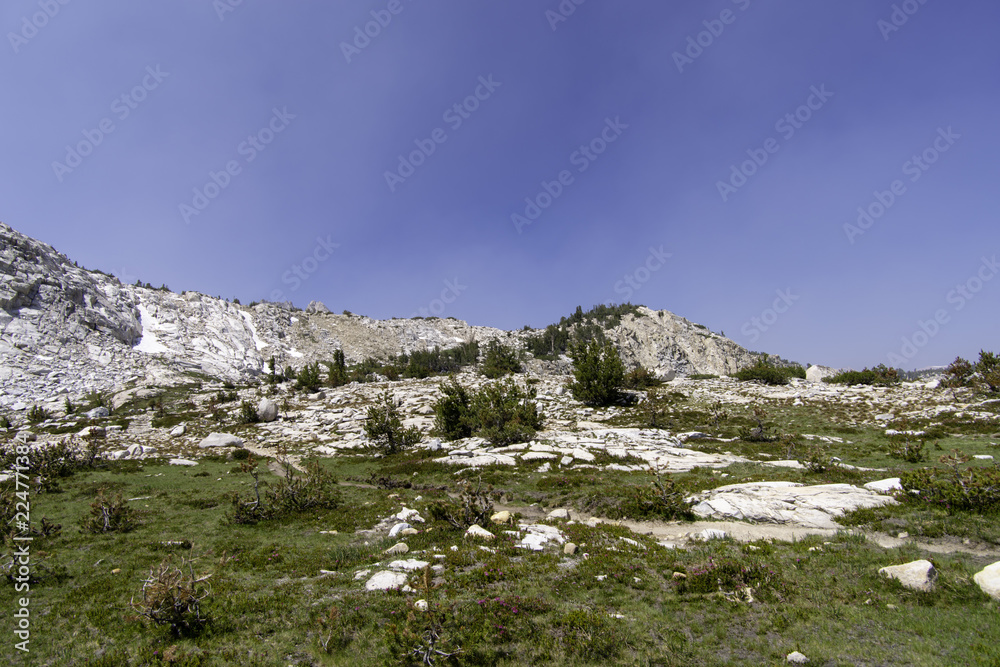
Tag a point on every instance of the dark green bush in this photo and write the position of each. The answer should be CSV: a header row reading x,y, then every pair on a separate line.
x,y
599,373
955,489
501,412
983,376
452,412
336,371
384,427
879,375
640,377
500,360
37,414
767,373
222,396
504,414
248,413
308,378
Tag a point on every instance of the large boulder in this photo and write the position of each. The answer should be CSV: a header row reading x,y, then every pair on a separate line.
x,y
988,580
267,410
817,373
220,440
919,575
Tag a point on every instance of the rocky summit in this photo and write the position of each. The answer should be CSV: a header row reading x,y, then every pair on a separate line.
x,y
68,331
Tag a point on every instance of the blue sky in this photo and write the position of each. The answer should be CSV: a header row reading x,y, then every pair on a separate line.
x,y
709,158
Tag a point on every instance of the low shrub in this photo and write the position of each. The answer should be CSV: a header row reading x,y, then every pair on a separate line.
x,y
37,414
505,414
452,412
984,375
761,432
907,450
308,378
954,489
879,375
473,507
384,427
767,373
726,575
248,413
500,412
640,378
661,500
500,360
110,515
173,595
296,492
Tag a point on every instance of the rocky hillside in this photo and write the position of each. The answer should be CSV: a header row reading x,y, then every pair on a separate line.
x,y
69,330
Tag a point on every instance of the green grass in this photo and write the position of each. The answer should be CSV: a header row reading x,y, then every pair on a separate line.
x,y
611,603
269,594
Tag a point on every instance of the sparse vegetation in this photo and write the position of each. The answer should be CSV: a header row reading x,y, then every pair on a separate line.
x,y
37,414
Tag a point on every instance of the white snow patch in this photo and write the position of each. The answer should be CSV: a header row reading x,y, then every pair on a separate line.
x,y
149,343
260,345
295,353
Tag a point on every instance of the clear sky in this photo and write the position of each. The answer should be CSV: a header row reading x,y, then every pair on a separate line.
x,y
504,162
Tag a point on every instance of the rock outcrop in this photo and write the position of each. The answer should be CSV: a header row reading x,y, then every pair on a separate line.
x,y
65,330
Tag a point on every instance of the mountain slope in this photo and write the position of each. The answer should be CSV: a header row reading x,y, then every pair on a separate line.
x,y
68,330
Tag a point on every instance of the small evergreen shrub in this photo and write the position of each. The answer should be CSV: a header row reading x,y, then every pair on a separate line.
x,y
452,412
984,375
505,414
599,373
336,371
384,427
248,413
500,360
879,375
767,373
954,489
500,412
907,450
308,378
37,414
